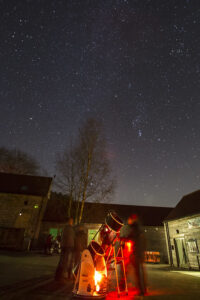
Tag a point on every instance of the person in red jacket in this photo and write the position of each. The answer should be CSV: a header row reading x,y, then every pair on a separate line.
x,y
135,237
48,244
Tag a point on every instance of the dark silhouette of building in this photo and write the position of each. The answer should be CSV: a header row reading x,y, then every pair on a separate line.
x,y
23,200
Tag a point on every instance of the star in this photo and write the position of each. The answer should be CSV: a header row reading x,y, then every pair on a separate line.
x,y
139,132
124,64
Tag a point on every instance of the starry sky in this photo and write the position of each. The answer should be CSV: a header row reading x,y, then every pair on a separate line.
x,y
133,63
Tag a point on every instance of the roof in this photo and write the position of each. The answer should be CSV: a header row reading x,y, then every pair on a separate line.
x,y
96,212
56,210
24,184
187,206
149,215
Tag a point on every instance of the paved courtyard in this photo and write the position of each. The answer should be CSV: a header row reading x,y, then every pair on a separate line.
x,y
30,276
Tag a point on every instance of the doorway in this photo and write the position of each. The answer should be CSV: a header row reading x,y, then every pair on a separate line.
x,y
181,252
91,234
55,232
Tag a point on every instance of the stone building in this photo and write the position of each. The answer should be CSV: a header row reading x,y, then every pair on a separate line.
x,y
23,201
55,216
182,229
94,216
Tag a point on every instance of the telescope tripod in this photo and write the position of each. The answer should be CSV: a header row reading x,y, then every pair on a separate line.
x,y
118,258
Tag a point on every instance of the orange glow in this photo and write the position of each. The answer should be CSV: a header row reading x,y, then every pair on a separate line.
x,y
97,288
129,246
97,280
152,256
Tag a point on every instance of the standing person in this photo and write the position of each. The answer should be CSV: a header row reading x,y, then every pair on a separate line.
x,y
48,244
58,238
67,247
136,259
80,243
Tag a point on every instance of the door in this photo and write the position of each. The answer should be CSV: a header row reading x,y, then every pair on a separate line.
x,y
91,234
181,253
53,232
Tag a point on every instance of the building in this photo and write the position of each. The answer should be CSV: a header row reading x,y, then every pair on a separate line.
x,y
23,200
94,216
182,229
55,216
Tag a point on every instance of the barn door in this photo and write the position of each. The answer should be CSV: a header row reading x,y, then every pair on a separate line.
x,y
181,252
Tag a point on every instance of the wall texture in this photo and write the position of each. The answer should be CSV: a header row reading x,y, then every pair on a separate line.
x,y
21,212
189,235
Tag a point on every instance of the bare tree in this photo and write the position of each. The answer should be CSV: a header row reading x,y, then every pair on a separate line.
x,y
17,162
67,179
84,171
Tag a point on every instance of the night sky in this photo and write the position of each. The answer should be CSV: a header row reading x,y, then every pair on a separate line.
x,y
134,64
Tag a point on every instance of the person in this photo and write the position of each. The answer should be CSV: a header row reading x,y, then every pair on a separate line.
x,y
66,258
80,243
57,244
135,237
48,244
58,238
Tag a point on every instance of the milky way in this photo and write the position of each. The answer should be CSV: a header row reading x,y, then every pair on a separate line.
x,y
134,64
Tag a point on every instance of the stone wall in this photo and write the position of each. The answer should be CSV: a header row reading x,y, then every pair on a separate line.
x,y
179,229
155,241
11,238
22,212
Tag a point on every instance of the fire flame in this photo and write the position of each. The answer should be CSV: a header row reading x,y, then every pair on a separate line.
x,y
97,280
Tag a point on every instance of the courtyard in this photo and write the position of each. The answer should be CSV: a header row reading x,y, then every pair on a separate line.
x,y
30,276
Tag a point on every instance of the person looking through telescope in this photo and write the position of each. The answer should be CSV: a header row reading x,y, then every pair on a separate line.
x,y
134,240
66,259
80,243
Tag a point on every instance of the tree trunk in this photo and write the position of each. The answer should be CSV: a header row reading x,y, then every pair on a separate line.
x,y
85,187
69,206
77,210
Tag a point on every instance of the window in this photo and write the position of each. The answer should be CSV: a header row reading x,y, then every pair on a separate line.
x,y
192,246
194,223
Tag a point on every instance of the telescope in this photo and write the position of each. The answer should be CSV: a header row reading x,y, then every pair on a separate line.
x,y
92,272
